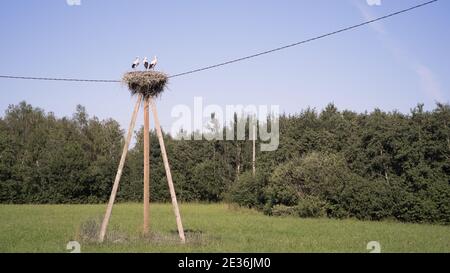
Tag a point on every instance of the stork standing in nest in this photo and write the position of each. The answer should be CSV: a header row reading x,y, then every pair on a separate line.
x,y
153,63
135,63
145,62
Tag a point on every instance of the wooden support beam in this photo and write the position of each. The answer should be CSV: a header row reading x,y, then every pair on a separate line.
x,y
119,171
168,173
146,165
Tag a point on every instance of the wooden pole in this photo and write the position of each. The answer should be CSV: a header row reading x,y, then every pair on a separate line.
x,y
146,165
168,173
254,151
119,171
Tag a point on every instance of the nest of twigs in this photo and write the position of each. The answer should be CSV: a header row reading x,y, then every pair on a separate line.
x,y
147,83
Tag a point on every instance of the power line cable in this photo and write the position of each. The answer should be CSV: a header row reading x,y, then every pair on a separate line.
x,y
54,79
238,59
304,41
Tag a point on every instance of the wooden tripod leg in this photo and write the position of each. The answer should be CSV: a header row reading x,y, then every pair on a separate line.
x,y
168,173
146,165
119,171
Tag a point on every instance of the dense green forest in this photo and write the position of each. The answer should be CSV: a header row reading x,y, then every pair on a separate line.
x,y
331,163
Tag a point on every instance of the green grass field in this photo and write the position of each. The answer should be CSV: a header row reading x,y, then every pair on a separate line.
x,y
211,228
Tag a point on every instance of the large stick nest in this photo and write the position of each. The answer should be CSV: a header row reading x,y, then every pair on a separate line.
x,y
147,83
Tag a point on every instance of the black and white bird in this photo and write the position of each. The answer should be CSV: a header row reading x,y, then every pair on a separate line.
x,y
145,62
135,63
153,63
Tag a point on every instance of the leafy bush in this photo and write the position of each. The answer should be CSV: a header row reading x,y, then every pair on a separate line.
x,y
247,191
319,174
211,180
279,193
322,175
322,184
311,206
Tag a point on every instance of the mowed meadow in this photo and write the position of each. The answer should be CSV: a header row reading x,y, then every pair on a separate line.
x,y
209,228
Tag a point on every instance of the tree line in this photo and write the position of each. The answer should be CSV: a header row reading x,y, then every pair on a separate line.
x,y
377,165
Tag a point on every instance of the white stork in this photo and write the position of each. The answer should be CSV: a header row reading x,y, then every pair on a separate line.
x,y
153,63
135,63
145,62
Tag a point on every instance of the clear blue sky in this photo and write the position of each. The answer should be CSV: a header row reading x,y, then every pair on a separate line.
x,y
391,65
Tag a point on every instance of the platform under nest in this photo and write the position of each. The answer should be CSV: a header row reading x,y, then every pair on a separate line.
x,y
147,83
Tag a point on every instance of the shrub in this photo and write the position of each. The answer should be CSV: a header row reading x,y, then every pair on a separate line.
x,y
319,174
311,206
322,184
211,180
247,191
322,175
280,193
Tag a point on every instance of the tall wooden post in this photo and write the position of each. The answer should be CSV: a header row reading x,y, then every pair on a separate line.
x,y
146,165
119,171
168,173
254,150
